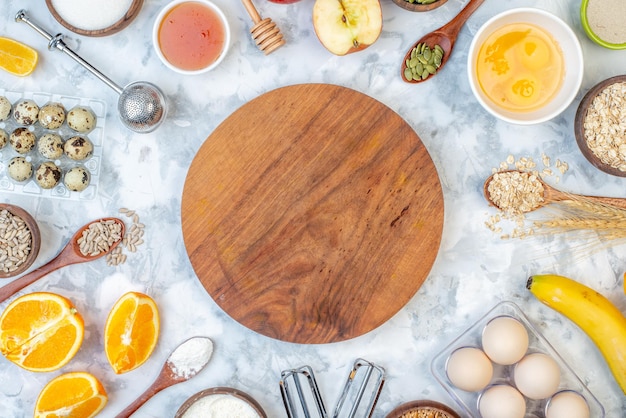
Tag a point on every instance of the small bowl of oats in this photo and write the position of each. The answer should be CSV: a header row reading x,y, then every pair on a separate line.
x,y
600,126
20,240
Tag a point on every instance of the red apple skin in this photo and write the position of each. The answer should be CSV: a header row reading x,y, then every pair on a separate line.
x,y
347,26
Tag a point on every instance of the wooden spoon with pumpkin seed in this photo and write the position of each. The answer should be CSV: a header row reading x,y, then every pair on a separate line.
x,y
445,37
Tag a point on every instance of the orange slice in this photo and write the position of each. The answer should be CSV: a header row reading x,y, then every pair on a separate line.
x,y
40,331
71,395
131,331
17,58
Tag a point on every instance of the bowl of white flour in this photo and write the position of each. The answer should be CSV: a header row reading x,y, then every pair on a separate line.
x,y
220,402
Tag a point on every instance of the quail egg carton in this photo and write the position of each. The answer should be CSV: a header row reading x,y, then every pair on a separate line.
x,y
91,164
468,401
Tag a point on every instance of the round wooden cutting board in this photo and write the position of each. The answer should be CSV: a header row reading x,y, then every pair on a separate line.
x,y
312,214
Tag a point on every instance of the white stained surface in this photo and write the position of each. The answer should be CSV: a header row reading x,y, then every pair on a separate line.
x,y
475,269
91,14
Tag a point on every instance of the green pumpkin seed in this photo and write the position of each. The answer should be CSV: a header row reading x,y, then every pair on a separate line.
x,y
427,54
423,61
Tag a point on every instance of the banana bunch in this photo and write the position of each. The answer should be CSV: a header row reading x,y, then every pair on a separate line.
x,y
592,312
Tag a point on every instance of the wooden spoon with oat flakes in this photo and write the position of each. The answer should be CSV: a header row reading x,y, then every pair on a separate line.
x,y
516,192
90,242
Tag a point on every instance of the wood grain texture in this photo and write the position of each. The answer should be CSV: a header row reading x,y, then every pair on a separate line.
x,y
312,214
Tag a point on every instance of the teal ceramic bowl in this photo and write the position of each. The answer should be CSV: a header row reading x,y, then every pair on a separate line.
x,y
591,34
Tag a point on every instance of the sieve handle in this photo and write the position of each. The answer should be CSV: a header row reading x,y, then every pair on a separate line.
x,y
56,42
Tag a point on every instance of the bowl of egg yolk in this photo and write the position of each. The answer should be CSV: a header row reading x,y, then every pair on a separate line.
x,y
525,66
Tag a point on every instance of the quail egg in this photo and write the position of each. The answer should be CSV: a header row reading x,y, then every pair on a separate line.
x,y
22,140
77,179
52,115
81,119
20,169
47,175
25,112
78,148
5,108
50,146
4,138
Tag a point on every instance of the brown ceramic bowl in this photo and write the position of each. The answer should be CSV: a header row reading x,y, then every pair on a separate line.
x,y
35,239
417,7
579,129
422,405
221,391
124,21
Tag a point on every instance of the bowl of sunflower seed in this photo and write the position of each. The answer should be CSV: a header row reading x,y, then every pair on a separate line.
x,y
20,240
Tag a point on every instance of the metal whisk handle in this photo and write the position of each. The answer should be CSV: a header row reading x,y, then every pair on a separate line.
x,y
56,42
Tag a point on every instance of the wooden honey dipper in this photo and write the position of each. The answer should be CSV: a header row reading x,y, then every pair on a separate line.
x,y
264,32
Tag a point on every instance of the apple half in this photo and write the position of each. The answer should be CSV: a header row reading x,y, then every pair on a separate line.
x,y
346,26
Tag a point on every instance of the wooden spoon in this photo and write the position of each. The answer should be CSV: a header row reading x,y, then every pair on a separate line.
x,y
70,254
552,195
170,375
445,37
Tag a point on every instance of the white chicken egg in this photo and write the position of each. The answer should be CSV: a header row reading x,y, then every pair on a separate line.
x,y
537,376
502,401
567,404
505,340
469,369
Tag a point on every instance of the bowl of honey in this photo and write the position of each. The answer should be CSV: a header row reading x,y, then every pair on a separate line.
x,y
191,36
525,66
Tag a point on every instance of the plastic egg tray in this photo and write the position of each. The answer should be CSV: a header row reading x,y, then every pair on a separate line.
x,y
92,164
468,401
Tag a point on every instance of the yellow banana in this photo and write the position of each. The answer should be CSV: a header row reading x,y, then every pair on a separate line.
x,y
592,312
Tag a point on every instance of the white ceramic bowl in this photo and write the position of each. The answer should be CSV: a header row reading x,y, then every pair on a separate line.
x,y
572,56
157,25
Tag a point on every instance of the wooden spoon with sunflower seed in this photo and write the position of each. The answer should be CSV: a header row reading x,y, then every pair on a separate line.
x,y
445,37
90,242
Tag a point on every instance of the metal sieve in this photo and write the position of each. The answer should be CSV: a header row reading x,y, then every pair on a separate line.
x,y
141,105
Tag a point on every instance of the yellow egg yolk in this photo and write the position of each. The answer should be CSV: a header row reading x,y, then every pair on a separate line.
x,y
520,67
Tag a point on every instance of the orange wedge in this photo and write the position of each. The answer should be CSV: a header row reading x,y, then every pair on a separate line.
x,y
17,58
40,331
71,395
131,331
